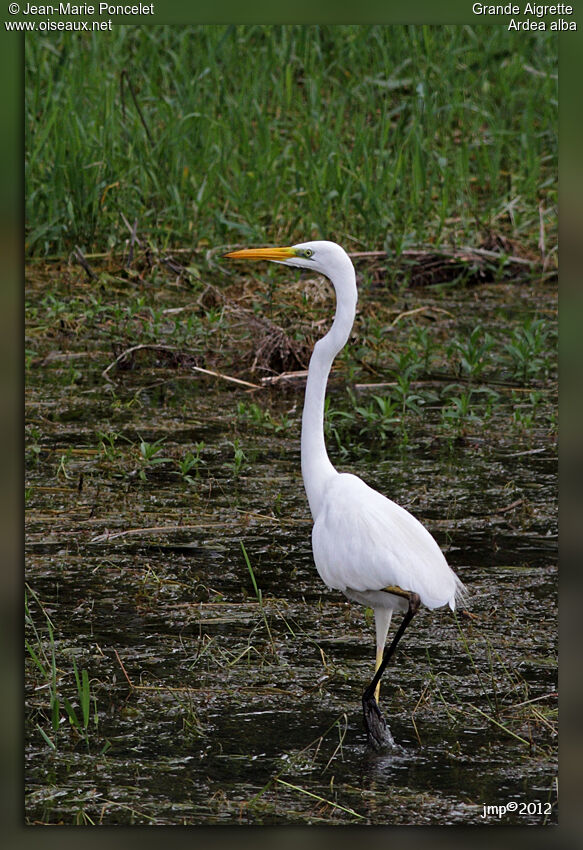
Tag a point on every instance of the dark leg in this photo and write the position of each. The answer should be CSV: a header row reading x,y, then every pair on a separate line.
x,y
376,728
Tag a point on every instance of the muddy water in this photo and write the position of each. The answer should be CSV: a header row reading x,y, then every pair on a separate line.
x,y
221,697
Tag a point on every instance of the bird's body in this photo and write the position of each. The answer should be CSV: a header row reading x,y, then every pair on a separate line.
x,y
364,545
362,542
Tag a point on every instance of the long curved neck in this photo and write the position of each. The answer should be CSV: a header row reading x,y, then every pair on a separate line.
x,y
316,466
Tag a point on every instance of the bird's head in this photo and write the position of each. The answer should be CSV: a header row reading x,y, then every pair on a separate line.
x,y
324,257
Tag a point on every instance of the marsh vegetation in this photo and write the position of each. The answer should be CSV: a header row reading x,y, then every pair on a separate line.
x,y
184,663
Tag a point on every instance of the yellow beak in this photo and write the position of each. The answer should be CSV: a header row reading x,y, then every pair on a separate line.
x,y
276,254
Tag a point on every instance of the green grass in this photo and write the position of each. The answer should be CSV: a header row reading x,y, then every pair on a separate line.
x,y
376,137
68,712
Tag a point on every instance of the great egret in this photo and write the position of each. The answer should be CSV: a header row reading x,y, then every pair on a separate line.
x,y
368,547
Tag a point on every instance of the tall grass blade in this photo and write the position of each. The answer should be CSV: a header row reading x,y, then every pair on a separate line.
x,y
320,799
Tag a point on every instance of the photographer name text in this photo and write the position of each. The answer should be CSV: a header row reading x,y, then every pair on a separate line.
x,y
87,10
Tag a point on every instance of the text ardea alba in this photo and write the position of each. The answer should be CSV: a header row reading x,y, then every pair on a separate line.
x,y
368,547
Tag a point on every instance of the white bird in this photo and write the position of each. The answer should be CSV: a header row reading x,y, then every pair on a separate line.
x,y
364,545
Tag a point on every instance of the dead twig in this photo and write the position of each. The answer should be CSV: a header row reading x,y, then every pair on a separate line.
x,y
175,268
124,671
421,310
284,376
133,238
226,377
162,529
511,506
466,253
173,350
124,75
78,255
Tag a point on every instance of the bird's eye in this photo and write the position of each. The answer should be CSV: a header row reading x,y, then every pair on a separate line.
x,y
308,252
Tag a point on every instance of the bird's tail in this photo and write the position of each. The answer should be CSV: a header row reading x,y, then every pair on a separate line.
x,y
461,595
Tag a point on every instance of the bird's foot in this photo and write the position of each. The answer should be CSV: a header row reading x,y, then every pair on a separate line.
x,y
378,733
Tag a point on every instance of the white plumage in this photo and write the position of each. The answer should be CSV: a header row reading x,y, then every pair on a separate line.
x,y
362,541
368,547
